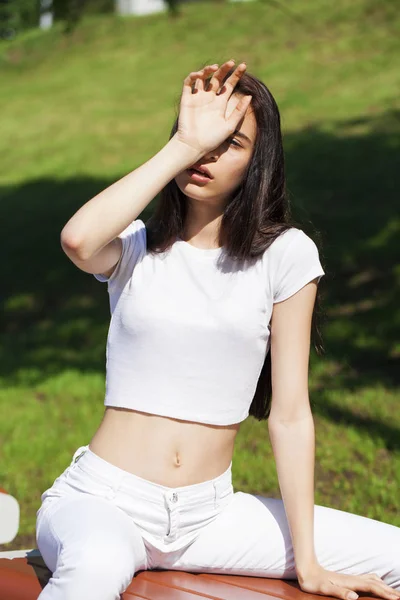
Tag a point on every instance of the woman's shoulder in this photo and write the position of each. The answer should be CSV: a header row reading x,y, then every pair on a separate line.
x,y
137,226
292,239
293,261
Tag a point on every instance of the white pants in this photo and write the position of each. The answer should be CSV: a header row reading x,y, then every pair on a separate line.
x,y
98,525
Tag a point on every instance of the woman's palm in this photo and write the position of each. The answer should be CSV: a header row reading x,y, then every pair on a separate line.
x,y
203,121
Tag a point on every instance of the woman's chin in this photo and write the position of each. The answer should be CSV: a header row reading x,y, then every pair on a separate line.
x,y
193,196
194,191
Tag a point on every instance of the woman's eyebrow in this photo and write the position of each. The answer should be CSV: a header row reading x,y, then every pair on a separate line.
x,y
242,135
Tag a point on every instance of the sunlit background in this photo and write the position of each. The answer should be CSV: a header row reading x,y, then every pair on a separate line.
x,y
89,95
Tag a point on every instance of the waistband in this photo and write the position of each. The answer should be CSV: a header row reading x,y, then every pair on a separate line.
x,y
118,478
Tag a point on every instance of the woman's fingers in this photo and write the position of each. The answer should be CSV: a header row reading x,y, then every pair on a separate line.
x,y
382,590
372,583
205,73
196,79
197,76
337,591
238,112
345,593
345,587
340,591
229,85
216,80
203,120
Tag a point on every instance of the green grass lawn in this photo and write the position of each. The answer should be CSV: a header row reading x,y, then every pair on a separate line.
x,y
79,112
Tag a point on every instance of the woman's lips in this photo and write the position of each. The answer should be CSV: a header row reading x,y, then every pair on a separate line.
x,y
196,176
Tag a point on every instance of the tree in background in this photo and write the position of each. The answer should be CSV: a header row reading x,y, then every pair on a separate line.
x,y
16,15
173,7
71,11
19,15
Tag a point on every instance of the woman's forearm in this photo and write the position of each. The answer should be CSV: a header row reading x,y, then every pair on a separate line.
x,y
293,444
106,215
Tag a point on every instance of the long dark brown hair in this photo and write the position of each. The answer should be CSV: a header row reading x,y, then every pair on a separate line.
x,y
256,214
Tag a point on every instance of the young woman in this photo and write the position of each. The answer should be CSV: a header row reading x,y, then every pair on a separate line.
x,y
212,304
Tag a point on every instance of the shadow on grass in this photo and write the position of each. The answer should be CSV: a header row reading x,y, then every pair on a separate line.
x,y
347,183
375,429
55,317
343,183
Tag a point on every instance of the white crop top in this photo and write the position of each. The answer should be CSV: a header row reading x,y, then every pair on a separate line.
x,y
189,333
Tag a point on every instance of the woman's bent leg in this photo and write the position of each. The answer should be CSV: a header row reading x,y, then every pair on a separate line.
x,y
92,548
251,537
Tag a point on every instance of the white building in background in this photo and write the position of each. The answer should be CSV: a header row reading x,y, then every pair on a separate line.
x,y
46,14
145,7
140,7
122,7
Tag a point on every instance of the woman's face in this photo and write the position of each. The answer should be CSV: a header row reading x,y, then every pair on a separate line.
x,y
227,164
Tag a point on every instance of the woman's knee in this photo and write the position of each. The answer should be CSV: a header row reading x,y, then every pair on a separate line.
x,y
111,564
99,568
101,545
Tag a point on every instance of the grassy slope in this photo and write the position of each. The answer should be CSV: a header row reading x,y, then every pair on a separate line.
x,y
79,113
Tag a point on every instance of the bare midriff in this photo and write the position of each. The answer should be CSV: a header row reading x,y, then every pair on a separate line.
x,y
167,451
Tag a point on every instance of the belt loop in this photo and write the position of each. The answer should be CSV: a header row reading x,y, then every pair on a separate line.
x,y
78,453
215,494
115,486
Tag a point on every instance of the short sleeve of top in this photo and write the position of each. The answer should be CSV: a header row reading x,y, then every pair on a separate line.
x,y
294,263
133,248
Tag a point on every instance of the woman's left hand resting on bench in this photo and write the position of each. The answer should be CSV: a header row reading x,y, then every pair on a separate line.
x,y
321,581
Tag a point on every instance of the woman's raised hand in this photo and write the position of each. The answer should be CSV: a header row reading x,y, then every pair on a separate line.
x,y
203,120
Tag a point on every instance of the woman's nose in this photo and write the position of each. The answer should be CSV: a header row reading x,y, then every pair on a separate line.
x,y
212,155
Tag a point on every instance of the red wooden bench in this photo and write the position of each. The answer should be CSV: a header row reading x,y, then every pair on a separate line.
x,y
23,574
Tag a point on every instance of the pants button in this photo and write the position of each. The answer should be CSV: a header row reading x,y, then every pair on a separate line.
x,y
174,497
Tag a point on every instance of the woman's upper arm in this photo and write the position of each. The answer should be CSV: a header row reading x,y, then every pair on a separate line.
x,y
295,270
290,351
115,262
